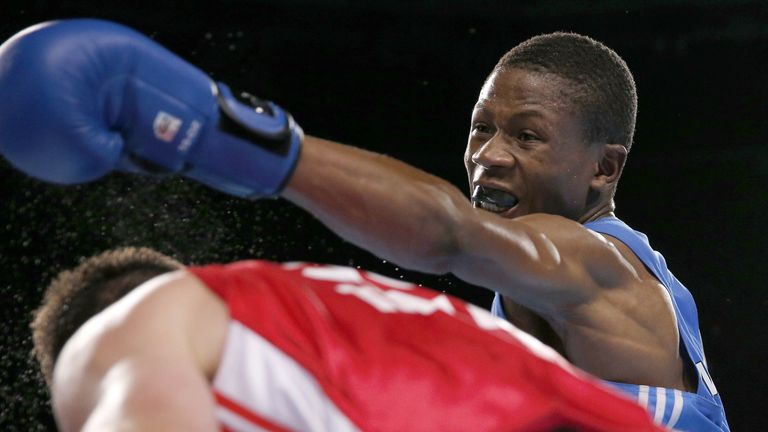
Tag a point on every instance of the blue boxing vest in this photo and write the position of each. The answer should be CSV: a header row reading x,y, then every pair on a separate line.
x,y
683,411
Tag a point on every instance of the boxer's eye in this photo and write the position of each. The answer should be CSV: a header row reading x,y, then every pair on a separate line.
x,y
480,128
527,136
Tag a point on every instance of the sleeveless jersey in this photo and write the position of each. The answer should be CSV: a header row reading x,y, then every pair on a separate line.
x,y
327,348
697,412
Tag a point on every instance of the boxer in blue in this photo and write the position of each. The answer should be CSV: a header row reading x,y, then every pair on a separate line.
x,y
549,137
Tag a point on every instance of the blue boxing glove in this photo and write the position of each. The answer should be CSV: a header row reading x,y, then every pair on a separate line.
x,y
80,98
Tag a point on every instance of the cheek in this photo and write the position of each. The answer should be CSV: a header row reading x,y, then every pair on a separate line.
x,y
469,165
468,152
575,187
558,183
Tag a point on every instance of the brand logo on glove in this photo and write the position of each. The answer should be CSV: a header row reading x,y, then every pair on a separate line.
x,y
166,126
190,136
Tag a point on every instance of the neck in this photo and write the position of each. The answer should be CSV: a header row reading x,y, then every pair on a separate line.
x,y
606,208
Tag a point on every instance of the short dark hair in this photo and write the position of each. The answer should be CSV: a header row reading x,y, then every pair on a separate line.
x,y
603,89
74,296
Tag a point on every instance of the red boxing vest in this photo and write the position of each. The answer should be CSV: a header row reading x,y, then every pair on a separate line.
x,y
329,348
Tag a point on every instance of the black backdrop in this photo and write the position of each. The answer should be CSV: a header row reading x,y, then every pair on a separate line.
x,y
400,78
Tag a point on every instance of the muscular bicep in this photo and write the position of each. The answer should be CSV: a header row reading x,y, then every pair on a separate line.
x,y
133,367
544,262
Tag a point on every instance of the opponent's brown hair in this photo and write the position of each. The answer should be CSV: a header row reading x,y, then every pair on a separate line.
x,y
74,296
601,86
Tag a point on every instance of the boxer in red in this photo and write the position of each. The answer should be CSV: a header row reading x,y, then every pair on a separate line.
x,y
132,340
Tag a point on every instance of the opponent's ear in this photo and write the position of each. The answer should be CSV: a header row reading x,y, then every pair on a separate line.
x,y
609,166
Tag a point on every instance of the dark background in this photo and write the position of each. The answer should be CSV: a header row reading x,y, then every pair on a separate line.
x,y
400,78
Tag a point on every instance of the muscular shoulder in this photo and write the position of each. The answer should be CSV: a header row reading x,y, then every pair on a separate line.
x,y
566,231
605,261
610,264
172,317
624,332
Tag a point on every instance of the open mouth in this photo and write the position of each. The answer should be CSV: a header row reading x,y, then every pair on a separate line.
x,y
493,200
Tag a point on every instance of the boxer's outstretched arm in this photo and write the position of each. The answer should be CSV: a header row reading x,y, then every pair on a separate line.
x,y
424,223
132,105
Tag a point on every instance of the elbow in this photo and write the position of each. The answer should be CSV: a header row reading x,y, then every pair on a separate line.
x,y
435,259
436,243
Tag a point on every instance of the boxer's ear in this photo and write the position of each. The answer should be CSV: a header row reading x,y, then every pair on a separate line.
x,y
608,167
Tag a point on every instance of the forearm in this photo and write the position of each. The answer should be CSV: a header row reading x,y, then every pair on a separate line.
x,y
388,207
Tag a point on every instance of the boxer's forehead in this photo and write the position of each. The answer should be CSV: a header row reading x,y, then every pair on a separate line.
x,y
521,89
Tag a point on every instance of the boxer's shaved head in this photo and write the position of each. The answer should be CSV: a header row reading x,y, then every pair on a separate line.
x,y
601,87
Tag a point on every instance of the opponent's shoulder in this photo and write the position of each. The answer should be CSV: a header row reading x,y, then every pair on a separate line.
x,y
160,299
170,318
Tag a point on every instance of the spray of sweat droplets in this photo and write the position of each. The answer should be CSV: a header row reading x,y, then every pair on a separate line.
x,y
46,228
